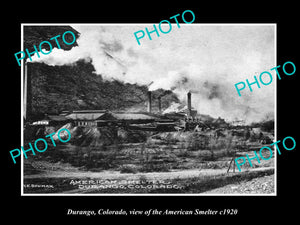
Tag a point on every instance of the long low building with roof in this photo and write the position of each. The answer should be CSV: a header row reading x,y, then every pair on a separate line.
x,y
86,117
100,118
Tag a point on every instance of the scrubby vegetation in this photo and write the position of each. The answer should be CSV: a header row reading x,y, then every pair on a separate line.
x,y
152,153
98,149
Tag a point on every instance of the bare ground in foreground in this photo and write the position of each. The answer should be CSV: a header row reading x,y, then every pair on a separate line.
x,y
205,181
170,163
259,185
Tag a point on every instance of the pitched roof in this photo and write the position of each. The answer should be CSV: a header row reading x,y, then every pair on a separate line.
x,y
56,117
104,115
132,116
85,116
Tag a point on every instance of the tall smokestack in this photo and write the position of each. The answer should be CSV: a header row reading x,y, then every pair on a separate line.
x,y
159,104
189,102
149,102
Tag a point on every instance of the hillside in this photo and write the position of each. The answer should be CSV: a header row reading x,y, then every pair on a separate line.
x,y
76,86
34,35
73,87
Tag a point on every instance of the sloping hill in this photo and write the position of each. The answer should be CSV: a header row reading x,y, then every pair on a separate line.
x,y
34,35
73,87
76,86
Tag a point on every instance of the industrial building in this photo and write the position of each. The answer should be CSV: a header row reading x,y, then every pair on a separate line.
x,y
185,119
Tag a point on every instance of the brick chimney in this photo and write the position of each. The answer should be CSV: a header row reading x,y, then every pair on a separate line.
x,y
149,102
189,103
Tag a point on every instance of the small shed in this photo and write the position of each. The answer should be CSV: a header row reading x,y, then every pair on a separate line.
x,y
52,120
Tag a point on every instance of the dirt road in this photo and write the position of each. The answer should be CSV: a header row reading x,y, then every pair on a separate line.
x,y
182,174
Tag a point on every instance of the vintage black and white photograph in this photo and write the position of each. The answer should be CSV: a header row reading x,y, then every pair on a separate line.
x,y
126,109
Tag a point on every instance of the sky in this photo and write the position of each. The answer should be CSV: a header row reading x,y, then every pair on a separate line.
x,y
206,59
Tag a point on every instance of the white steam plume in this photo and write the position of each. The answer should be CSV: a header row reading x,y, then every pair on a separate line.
x,y
205,59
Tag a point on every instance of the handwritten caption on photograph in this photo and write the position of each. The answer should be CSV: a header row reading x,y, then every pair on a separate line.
x,y
85,184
